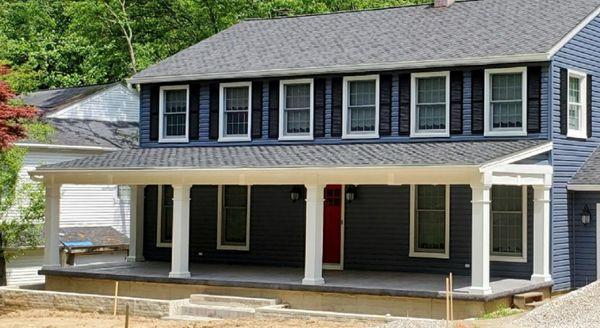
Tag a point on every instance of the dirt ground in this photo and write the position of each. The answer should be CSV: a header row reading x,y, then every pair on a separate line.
x,y
15,318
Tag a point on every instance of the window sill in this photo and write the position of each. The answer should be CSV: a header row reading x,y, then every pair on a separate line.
x,y
444,134
512,259
506,133
296,138
164,245
577,135
173,140
234,139
442,256
360,136
233,248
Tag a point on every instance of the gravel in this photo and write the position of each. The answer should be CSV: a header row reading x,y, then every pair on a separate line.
x,y
415,323
579,308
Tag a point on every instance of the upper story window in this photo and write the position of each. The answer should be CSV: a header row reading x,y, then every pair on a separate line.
x,y
577,118
430,221
506,102
234,111
509,224
360,117
430,104
296,106
173,118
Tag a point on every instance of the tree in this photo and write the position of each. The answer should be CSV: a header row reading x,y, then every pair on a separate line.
x,y
12,117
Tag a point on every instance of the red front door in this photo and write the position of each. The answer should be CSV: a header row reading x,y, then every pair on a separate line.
x,y
332,224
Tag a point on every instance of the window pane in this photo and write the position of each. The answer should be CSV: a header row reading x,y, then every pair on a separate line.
x,y
234,220
507,198
574,111
174,113
297,109
506,101
574,90
361,106
507,220
175,101
236,111
174,125
430,216
166,228
362,93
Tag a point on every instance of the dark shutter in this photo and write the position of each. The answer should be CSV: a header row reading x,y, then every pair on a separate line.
x,y
214,111
336,114
274,109
257,109
477,99
589,105
404,104
154,112
564,94
456,102
319,98
534,99
194,123
385,105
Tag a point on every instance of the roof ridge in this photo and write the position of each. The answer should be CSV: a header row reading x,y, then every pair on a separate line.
x,y
351,11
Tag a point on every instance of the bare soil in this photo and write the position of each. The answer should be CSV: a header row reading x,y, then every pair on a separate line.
x,y
30,318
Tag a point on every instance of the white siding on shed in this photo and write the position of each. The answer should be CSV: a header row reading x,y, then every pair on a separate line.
x,y
117,103
22,270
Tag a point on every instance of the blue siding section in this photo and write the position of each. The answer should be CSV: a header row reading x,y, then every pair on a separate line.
x,y
144,127
395,105
265,111
467,103
584,237
204,112
581,53
328,107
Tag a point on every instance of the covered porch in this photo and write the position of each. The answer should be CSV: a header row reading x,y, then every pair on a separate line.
x,y
469,170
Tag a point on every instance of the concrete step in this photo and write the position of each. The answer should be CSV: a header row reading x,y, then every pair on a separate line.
x,y
215,311
189,318
206,299
520,300
533,305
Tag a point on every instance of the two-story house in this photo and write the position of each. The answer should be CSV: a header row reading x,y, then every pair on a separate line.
x,y
377,151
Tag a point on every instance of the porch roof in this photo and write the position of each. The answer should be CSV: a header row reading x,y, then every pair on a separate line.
x,y
465,153
588,176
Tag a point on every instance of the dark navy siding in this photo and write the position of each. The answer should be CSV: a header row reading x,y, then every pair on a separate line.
x,y
151,251
584,237
581,53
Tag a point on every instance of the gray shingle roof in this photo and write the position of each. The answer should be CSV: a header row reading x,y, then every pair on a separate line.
x,y
367,39
292,156
77,132
589,173
54,99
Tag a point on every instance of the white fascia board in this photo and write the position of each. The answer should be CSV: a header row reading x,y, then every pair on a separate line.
x,y
515,157
569,36
590,187
66,147
420,64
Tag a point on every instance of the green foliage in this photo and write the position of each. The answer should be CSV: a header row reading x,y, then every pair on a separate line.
x,y
501,312
11,161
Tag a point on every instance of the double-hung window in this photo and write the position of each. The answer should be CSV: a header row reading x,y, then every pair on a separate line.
x,y
233,227
164,224
360,118
235,111
174,111
430,104
509,224
577,118
429,221
505,102
296,106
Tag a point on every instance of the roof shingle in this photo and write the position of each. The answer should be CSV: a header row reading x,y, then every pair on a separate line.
x,y
589,173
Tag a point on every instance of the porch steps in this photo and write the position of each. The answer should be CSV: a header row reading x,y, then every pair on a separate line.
x,y
522,301
202,299
534,305
205,307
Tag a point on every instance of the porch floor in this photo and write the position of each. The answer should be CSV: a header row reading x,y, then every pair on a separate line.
x,y
286,278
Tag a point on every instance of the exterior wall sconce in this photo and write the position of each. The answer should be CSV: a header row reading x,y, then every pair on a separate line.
x,y
295,193
351,192
586,215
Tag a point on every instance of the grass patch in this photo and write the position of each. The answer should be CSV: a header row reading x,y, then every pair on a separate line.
x,y
501,312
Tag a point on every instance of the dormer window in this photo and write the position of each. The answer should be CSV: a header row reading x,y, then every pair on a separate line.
x,y
506,102
430,104
360,118
235,114
173,119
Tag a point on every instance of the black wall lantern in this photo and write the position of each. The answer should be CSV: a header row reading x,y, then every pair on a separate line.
x,y
295,193
351,193
586,215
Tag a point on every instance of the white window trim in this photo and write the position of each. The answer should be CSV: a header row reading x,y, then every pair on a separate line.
x,y
414,133
220,245
368,135
159,242
282,134
488,131
222,136
161,98
513,259
414,253
582,132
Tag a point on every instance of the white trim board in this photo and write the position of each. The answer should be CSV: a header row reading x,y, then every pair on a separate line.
x,y
65,147
518,156
569,36
590,187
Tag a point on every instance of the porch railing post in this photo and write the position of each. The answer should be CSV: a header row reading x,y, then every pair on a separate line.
x,y
51,225
181,232
541,234
480,243
313,258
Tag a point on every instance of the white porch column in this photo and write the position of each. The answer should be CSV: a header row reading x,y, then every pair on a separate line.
x,y
480,240
136,221
313,257
51,225
541,234
181,232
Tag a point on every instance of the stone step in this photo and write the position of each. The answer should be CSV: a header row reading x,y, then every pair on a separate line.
x,y
206,299
533,305
189,318
520,300
215,311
